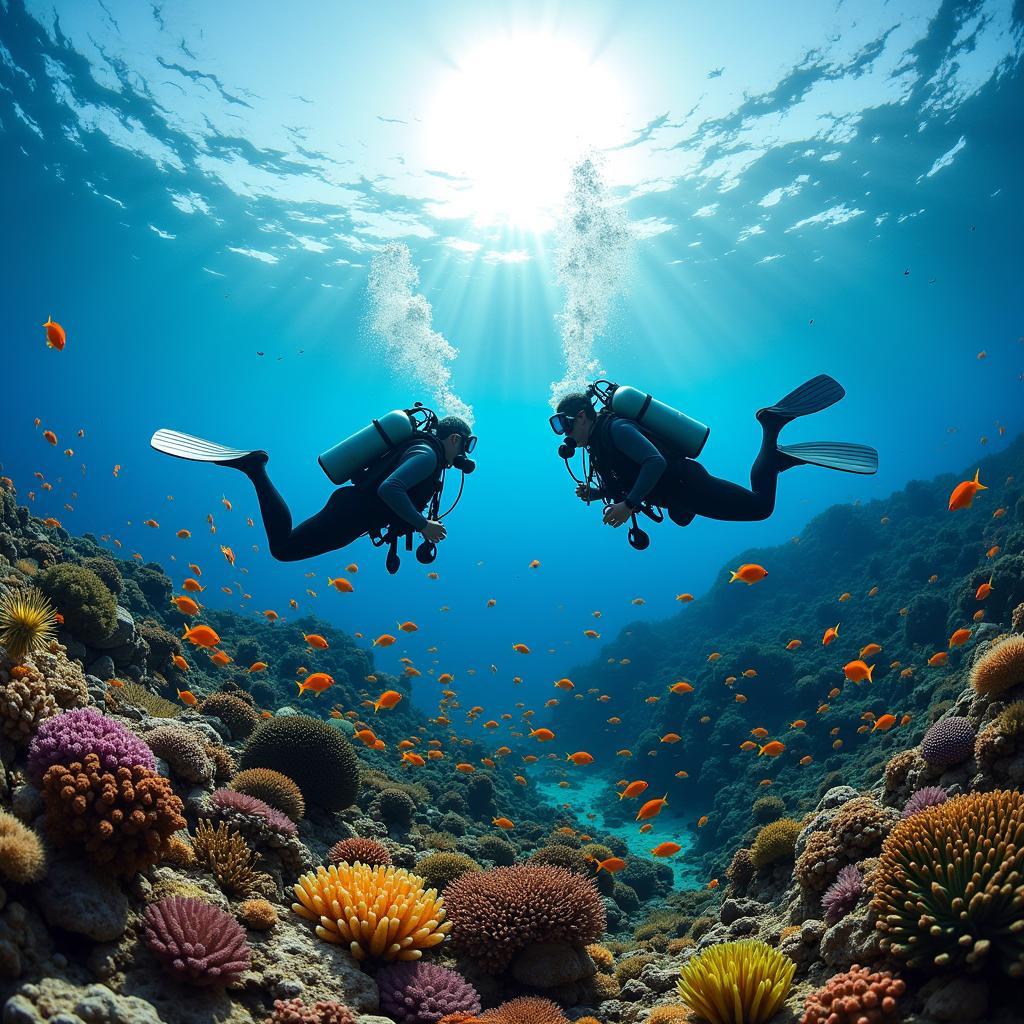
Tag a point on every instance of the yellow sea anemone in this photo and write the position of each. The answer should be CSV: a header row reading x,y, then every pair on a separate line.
x,y
27,621
741,982
380,912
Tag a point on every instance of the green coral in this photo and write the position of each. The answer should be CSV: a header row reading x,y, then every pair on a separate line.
x,y
767,808
441,869
775,842
88,606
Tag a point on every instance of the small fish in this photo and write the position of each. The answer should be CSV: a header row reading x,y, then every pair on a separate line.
x,y
180,663
858,671
938,659
713,884
772,749
565,684
188,697
580,758
873,592
869,650
666,849
316,641
341,585
671,737
542,735
202,636
964,493
186,605
652,808
959,638
592,634
684,598
884,723
749,573
983,590
535,564
183,534
520,648
702,821
410,757
748,745
56,336
845,597
793,645
681,687
228,554
387,700
830,634
466,769
384,640
798,724
610,864
806,759
50,437
634,789
193,586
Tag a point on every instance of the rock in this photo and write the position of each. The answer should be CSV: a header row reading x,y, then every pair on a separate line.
x,y
812,931
633,990
836,797
103,667
57,1001
743,926
659,979
734,909
852,940
550,964
123,632
372,1018
958,999
83,901
27,802
76,651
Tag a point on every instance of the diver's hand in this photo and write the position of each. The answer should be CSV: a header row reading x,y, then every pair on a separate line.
x,y
617,514
434,531
583,492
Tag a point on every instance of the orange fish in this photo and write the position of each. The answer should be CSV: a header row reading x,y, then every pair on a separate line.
x,y
702,821
580,758
180,663
634,789
993,551
220,658
611,864
939,659
592,634
983,590
50,437
503,823
316,641
666,849
384,640
793,645
542,735
56,336
806,759
749,573
671,737
964,493
858,671
868,650
760,732
228,554
798,724
565,684
959,638
652,808
748,745
193,586
684,598
316,683
387,700
408,627
713,884
409,757
466,769
184,534
884,723
186,605
646,828
202,636
714,656
535,564
830,634
772,749
681,687
520,648
187,697
749,673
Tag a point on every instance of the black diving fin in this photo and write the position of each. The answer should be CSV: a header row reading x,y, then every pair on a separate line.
x,y
840,455
812,396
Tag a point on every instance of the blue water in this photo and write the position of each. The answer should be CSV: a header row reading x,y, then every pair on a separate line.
x,y
834,191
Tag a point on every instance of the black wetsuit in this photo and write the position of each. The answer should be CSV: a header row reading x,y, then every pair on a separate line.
x,y
630,466
350,511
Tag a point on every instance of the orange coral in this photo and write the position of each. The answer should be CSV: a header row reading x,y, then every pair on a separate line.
x,y
1000,667
857,996
124,818
381,912
525,1010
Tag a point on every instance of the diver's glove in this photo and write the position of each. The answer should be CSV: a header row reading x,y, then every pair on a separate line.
x,y
585,493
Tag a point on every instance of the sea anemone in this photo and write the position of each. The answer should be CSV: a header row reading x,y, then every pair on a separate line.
x,y
195,941
423,993
857,996
366,851
949,887
842,895
383,913
497,913
22,856
227,802
736,981
1000,667
948,742
27,622
273,788
927,796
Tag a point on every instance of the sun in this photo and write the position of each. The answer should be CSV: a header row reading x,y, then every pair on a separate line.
x,y
509,119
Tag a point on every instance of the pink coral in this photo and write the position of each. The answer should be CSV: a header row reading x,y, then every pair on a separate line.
x,y
857,996
294,1011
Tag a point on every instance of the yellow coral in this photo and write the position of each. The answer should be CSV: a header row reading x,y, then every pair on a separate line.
x,y
668,1015
27,621
381,912
22,856
601,955
741,982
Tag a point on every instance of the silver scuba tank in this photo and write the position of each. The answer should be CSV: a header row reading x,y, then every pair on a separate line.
x,y
686,433
361,448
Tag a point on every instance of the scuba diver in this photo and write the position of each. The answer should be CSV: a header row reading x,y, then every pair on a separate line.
x,y
642,455
396,467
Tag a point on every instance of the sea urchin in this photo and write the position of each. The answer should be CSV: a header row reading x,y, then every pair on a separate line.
x,y
27,621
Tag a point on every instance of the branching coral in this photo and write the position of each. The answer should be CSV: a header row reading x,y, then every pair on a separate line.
x,y
27,622
226,855
22,856
1000,667
70,736
196,942
25,701
383,913
423,993
775,842
948,742
123,818
736,981
240,717
184,751
316,757
64,679
497,913
949,888
366,851
856,832
524,1010
856,996
273,788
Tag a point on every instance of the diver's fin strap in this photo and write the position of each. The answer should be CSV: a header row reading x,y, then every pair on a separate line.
x,y
196,449
841,455
812,396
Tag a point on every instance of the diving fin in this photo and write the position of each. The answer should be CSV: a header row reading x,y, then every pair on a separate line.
x,y
195,449
848,458
812,396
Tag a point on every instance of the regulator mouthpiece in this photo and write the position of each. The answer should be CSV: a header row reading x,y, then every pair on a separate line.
x,y
466,465
567,449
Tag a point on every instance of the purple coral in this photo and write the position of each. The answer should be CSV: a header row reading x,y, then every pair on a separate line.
x,y
929,796
842,895
949,741
195,941
68,737
422,993
227,801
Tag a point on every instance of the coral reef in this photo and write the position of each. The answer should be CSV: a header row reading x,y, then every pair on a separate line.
x,y
1000,668
842,895
22,856
258,914
423,993
27,622
366,851
775,842
183,751
949,741
857,996
324,1011
273,788
439,870
226,855
240,717
88,607
25,701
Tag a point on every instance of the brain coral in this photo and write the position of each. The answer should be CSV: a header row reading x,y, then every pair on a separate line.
x,y
25,701
240,717
184,751
383,913
124,818
22,857
775,842
857,996
497,913
70,736
318,758
423,993
325,1011
366,851
948,742
195,941
272,788
736,981
949,887
1000,667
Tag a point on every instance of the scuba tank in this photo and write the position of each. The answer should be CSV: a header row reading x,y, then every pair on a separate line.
x,y
360,449
683,432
